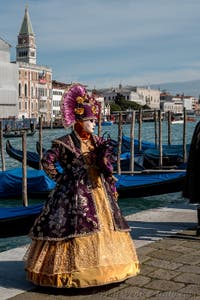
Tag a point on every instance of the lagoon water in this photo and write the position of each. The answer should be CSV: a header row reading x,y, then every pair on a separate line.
x,y
128,206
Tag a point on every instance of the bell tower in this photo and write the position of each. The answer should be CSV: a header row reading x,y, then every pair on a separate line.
x,y
26,47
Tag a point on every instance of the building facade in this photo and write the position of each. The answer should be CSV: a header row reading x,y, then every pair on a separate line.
x,y
142,96
58,89
8,83
151,96
35,81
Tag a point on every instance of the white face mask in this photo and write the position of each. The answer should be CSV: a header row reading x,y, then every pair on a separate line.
x,y
89,125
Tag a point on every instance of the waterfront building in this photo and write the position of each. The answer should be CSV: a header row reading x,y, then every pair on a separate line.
x,y
139,99
190,102
8,83
58,88
166,106
177,103
140,95
177,107
103,103
35,81
150,96
110,94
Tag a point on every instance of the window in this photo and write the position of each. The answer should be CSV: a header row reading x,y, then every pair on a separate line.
x,y
20,91
25,90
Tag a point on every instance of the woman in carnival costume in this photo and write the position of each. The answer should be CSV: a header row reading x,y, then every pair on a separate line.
x,y
80,239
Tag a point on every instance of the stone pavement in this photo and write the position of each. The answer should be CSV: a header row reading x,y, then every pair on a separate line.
x,y
169,253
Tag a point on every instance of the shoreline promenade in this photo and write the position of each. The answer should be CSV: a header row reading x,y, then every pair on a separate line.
x,y
168,250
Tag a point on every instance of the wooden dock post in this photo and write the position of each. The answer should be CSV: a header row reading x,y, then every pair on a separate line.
x,y
132,160
184,135
160,140
24,170
119,144
1,147
40,140
155,128
140,130
169,115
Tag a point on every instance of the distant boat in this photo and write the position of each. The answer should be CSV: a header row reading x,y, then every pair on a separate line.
x,y
107,123
17,133
177,118
177,122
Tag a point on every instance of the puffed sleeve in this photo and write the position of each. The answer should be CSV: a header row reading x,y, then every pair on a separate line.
x,y
50,162
104,156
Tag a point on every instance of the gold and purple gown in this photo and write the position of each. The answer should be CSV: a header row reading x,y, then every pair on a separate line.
x,y
100,258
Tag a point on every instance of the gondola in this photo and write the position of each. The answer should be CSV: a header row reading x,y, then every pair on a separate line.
x,y
149,183
32,158
16,221
172,157
149,159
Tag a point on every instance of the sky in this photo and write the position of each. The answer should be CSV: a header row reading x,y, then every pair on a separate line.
x,y
104,43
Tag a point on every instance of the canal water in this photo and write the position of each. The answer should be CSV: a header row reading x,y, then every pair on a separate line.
x,y
129,205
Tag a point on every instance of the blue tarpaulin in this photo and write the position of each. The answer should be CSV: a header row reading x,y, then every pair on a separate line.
x,y
11,182
146,179
14,212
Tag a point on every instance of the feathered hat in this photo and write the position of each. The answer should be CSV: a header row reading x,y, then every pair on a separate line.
x,y
77,105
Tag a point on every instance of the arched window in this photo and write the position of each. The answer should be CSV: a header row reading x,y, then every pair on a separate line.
x,y
20,90
25,90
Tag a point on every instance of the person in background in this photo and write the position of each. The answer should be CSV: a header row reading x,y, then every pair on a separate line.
x,y
32,127
81,238
191,188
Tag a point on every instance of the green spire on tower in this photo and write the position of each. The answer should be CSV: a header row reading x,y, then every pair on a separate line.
x,y
26,27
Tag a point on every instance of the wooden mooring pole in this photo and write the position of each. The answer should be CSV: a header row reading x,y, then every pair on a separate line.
x,y
24,171
155,127
184,135
40,140
132,142
119,144
1,147
169,115
160,140
140,130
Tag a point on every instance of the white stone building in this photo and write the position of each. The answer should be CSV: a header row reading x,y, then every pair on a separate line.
x,y
58,88
190,103
8,83
151,97
139,95
177,104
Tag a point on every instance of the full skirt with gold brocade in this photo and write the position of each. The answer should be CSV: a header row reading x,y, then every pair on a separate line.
x,y
100,258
